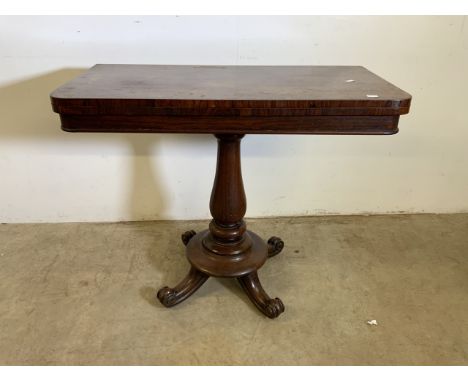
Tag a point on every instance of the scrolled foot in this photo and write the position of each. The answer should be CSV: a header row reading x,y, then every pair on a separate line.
x,y
189,285
274,307
275,246
167,296
186,236
270,307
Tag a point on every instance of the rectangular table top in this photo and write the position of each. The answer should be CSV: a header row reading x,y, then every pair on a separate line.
x,y
234,99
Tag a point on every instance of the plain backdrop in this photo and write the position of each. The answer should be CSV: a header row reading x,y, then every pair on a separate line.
x,y
47,175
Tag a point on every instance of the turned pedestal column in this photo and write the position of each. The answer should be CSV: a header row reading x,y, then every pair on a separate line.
x,y
229,101
227,248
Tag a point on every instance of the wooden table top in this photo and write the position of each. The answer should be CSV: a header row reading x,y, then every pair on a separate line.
x,y
230,99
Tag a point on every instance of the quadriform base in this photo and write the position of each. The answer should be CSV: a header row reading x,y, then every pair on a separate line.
x,y
227,248
229,102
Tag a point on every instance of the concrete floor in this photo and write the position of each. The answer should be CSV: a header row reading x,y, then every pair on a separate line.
x,y
83,294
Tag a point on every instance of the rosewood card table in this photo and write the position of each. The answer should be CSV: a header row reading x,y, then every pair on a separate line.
x,y
229,102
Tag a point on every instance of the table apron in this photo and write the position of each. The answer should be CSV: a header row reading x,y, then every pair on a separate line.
x,y
345,125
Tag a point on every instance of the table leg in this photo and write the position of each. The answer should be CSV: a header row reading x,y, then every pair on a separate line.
x,y
189,285
271,307
227,248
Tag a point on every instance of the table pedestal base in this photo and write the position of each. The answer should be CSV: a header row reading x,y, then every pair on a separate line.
x,y
227,248
242,266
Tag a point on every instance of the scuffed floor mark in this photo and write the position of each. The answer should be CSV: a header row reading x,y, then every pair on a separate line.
x,y
49,267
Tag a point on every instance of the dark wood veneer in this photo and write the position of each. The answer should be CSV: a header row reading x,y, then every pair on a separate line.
x,y
216,125
234,99
229,101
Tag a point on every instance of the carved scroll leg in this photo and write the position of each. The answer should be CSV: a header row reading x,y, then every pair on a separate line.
x,y
189,285
275,246
271,307
187,236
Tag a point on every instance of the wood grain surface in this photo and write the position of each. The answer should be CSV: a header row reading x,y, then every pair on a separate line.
x,y
231,99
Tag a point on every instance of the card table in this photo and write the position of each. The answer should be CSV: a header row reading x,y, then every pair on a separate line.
x,y
229,102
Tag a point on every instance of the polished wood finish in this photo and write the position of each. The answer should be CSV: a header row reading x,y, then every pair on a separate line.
x,y
173,296
270,307
229,101
352,125
227,248
226,264
228,203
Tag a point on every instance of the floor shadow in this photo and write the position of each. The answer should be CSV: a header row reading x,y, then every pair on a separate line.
x,y
149,295
26,116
